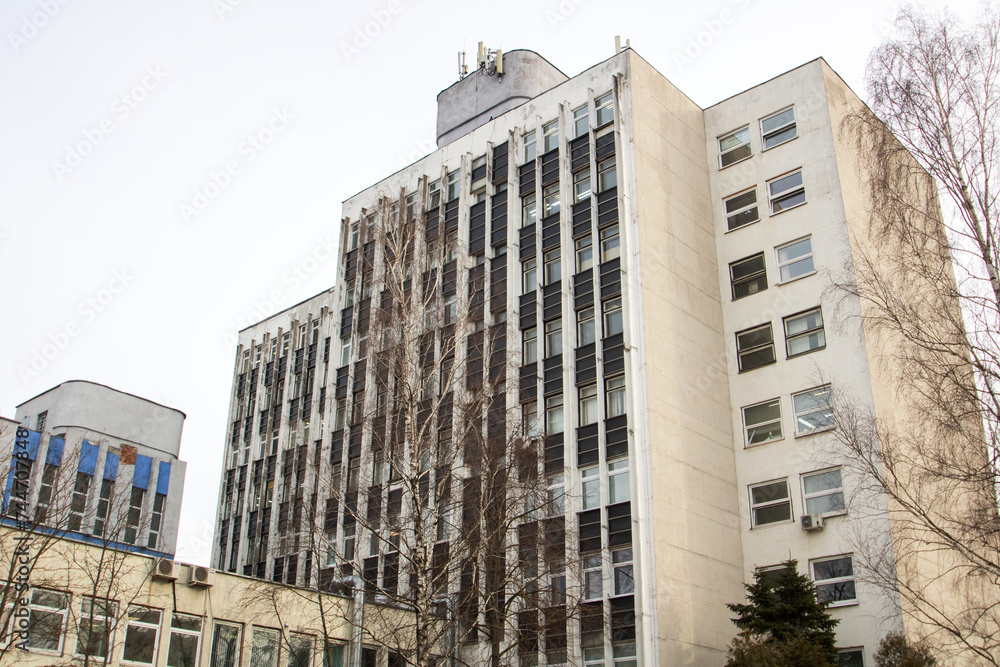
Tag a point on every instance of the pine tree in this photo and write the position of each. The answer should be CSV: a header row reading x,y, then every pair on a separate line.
x,y
782,613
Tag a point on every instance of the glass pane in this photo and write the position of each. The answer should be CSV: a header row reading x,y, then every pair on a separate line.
x,y
734,204
591,494
734,139
785,183
834,568
183,650
813,341
769,492
736,155
759,414
780,512
618,488
796,269
854,658
744,218
755,337
586,332
593,587
809,401
225,647
823,504
751,360
777,120
624,581
45,630
747,267
797,249
144,615
822,482
139,644
788,202
838,592
334,656
41,598
780,137
801,323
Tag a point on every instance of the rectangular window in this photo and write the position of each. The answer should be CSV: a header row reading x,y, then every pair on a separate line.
x,y
795,260
345,351
610,248
225,645
762,422
580,122
813,410
94,627
134,514
529,276
584,254
625,655
141,634
156,520
588,405
556,497
605,109
550,199
593,578
590,487
46,491
185,636
607,175
615,396
299,651
554,414
834,579
585,326
778,128
102,506
47,612
530,352
741,209
734,147
264,648
804,332
433,198
755,347
454,185
581,185
40,421
78,504
770,503
619,489
748,276
823,492
553,338
529,210
613,324
529,419
450,309
851,657
529,146
550,135
786,192
553,267
621,562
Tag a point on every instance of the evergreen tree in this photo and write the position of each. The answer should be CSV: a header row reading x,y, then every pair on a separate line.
x,y
782,613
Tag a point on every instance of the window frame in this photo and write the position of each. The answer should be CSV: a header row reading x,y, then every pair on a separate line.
x,y
734,148
619,479
529,275
33,606
585,324
613,317
550,135
108,619
741,353
142,625
747,426
607,175
529,209
815,332
553,338
823,493
529,343
767,504
581,114
604,104
626,567
551,203
615,396
611,244
731,215
812,411
778,130
835,581
791,262
581,186
552,263
555,414
787,194
590,487
185,632
592,573
588,407
748,279
584,253
216,627
530,147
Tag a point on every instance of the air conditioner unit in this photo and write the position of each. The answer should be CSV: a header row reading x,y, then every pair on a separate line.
x,y
200,576
812,522
165,569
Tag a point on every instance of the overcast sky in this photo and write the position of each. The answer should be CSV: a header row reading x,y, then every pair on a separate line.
x,y
130,257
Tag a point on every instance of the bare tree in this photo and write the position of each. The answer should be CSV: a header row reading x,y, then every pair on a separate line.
x,y
929,290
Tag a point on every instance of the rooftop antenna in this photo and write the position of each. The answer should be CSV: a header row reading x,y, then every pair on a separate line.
x,y
618,44
490,61
463,69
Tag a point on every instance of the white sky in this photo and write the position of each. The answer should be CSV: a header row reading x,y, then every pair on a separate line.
x,y
102,275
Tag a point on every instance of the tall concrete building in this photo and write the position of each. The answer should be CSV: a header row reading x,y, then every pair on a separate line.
x,y
99,464
650,277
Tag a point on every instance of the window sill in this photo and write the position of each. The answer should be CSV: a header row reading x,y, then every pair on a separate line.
x,y
792,280
790,208
843,603
786,141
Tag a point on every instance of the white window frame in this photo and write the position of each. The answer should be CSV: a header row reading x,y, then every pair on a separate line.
x,y
815,409
777,130
813,334
610,243
185,632
746,349
553,266
605,109
787,264
832,491
750,429
624,654
622,564
581,115
555,414
108,619
607,174
616,396
585,325
550,136
216,626
733,207
751,280
581,185
529,275
529,348
855,651
835,582
553,337
302,640
140,625
530,424
588,405
733,143
619,483
593,576
453,185
767,504
584,247
787,193
265,647
614,316
590,487
530,149
35,607
529,209
550,200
